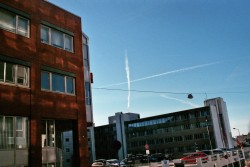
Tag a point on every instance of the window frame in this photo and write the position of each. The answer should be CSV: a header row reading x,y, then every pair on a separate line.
x,y
16,23
64,35
50,89
15,76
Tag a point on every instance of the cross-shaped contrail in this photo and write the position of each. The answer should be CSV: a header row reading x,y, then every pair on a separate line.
x,y
181,101
165,73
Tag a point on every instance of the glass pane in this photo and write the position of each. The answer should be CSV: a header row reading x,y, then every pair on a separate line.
x,y
9,133
10,73
70,85
22,130
44,137
51,133
7,20
1,133
87,93
68,40
56,38
1,71
45,80
23,26
22,75
44,34
58,84
85,55
19,124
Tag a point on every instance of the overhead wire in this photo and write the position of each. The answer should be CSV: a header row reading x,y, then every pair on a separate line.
x,y
168,92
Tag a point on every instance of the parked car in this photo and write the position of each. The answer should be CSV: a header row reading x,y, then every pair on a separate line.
x,y
158,157
190,158
113,162
126,162
100,163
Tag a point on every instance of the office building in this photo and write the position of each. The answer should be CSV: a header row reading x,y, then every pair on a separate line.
x,y
43,117
172,133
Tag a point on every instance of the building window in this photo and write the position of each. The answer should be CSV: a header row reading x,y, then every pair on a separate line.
x,y
88,93
178,138
56,38
168,140
14,23
198,136
186,126
14,74
57,83
188,137
14,140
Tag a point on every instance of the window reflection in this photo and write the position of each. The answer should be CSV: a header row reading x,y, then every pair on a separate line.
x,y
45,80
14,141
57,143
56,38
14,23
58,84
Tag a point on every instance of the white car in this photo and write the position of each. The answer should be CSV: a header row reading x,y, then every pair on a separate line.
x,y
101,163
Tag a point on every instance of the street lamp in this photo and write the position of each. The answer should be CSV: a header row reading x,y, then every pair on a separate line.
x,y
190,96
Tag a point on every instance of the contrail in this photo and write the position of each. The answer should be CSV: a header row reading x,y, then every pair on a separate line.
x,y
166,73
181,101
128,78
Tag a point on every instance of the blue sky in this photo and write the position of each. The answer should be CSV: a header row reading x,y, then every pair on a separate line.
x,y
175,46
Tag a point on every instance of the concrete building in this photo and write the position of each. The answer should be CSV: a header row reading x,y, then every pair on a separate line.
x,y
42,80
173,133
125,117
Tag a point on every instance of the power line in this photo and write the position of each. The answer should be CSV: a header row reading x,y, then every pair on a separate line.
x,y
165,92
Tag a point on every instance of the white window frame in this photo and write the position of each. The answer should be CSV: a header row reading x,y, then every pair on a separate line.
x,y
65,83
64,35
16,24
27,76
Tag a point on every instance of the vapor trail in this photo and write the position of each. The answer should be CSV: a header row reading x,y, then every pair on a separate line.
x,y
128,78
165,73
175,71
181,101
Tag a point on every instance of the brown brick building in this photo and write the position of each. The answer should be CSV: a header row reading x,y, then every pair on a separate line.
x,y
42,94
